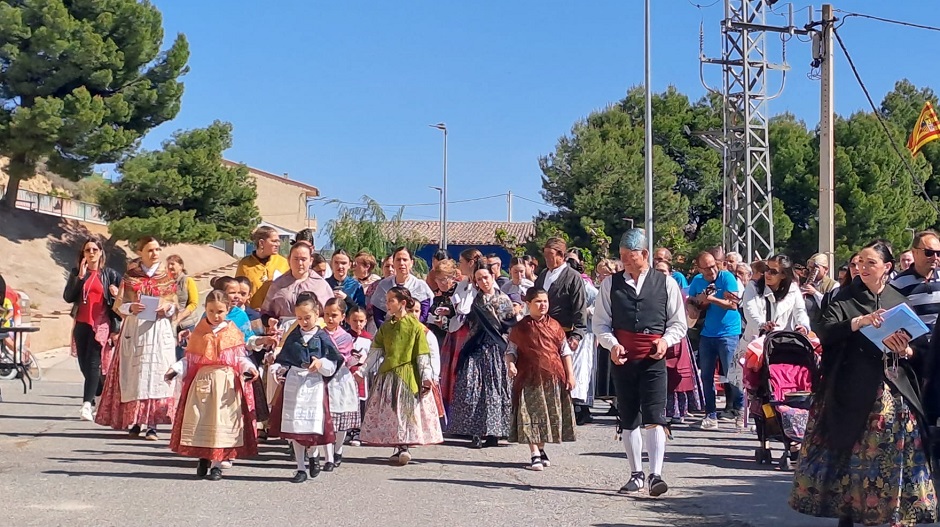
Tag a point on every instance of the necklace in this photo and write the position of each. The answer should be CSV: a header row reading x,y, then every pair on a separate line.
x,y
86,287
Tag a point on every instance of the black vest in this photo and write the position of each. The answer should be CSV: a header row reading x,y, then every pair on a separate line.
x,y
639,313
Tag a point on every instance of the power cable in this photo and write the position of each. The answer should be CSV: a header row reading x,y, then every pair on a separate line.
x,y
884,126
886,20
699,6
434,204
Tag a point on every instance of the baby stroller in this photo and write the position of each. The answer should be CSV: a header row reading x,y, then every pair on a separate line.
x,y
779,393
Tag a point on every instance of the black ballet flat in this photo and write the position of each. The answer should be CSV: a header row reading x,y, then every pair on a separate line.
x,y
491,442
314,468
215,474
476,442
202,469
329,467
299,477
337,459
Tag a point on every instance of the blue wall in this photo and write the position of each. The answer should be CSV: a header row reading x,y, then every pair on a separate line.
x,y
454,251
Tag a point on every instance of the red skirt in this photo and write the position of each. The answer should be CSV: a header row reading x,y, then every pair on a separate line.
x,y
274,422
450,352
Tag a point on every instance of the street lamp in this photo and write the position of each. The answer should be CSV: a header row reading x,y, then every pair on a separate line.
x,y
443,127
440,212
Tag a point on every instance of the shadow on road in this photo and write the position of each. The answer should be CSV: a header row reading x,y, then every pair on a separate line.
x,y
502,485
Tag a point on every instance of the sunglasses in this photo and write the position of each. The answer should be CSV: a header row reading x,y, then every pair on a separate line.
x,y
772,272
930,253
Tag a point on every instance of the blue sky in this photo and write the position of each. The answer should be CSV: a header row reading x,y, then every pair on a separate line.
x,y
340,94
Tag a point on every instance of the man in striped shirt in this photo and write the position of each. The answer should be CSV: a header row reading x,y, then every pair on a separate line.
x,y
921,283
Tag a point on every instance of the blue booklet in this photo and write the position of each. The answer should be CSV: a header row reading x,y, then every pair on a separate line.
x,y
898,318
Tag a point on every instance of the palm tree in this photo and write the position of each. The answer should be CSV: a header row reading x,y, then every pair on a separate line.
x,y
367,228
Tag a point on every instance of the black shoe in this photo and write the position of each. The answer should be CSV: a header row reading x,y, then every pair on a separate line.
x,y
544,457
337,459
202,468
583,416
215,474
658,487
612,411
314,467
299,477
491,441
134,431
476,442
637,479
329,467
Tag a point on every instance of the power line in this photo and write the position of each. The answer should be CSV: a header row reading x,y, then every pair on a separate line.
x,y
523,198
887,20
434,204
703,6
884,126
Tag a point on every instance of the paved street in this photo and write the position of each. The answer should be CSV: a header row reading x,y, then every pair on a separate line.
x,y
57,470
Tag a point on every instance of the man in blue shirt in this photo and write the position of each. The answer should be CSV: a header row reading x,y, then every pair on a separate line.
x,y
715,295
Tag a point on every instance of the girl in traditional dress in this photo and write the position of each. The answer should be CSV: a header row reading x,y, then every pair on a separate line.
x,y
864,457
482,403
356,320
539,362
344,391
301,409
134,394
215,418
401,411
283,292
457,331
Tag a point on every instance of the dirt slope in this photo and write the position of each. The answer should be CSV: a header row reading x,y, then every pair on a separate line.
x,y
37,251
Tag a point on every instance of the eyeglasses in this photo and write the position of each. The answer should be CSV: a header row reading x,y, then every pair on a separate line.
x,y
92,250
930,253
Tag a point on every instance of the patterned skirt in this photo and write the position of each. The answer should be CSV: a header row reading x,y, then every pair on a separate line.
x,y
885,478
542,413
120,416
482,403
395,416
345,420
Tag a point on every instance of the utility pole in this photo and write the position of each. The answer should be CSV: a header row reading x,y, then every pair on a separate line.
x,y
822,56
443,127
648,150
509,203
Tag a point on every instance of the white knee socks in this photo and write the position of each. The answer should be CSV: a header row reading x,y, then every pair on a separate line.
x,y
336,446
299,451
656,446
633,445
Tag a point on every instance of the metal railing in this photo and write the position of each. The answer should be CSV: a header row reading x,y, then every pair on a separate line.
x,y
57,206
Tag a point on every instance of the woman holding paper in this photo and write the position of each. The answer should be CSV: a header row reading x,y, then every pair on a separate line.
x,y
863,458
135,396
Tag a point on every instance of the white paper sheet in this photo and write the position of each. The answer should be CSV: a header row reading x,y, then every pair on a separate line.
x,y
151,304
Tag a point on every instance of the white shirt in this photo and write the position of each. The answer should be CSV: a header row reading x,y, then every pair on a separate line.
x,y
676,325
787,313
551,275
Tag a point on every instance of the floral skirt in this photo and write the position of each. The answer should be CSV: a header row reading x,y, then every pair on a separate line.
x,y
542,413
482,403
395,416
885,478
120,416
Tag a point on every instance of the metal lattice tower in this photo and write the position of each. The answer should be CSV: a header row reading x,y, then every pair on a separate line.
x,y
748,226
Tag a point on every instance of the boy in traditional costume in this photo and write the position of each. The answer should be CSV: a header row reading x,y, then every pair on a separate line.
x,y
539,362
215,418
301,409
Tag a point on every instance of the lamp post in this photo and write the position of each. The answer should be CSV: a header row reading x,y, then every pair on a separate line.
x,y
443,127
648,213
440,212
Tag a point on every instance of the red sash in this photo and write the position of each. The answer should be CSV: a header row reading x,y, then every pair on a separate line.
x,y
637,345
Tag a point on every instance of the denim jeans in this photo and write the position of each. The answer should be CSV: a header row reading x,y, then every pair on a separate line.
x,y
710,351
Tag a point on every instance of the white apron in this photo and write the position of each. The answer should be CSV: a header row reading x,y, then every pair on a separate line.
x,y
582,362
147,350
302,410
344,392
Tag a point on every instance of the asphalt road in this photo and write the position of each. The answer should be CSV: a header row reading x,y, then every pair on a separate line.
x,y
58,470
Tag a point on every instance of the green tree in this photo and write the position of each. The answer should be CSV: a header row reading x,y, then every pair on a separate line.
x,y
366,227
91,187
81,81
183,193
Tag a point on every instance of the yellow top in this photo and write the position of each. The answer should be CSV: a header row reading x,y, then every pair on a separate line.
x,y
261,275
192,295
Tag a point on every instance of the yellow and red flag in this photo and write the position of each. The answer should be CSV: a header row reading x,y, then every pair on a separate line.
x,y
926,130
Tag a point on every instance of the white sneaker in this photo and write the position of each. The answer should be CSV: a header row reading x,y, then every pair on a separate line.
x,y
225,465
86,412
709,423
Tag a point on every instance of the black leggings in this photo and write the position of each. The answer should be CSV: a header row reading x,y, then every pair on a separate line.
x,y
89,360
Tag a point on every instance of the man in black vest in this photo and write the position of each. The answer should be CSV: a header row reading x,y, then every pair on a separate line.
x,y
638,315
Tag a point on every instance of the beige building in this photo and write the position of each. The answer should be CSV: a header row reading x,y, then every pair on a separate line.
x,y
283,203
